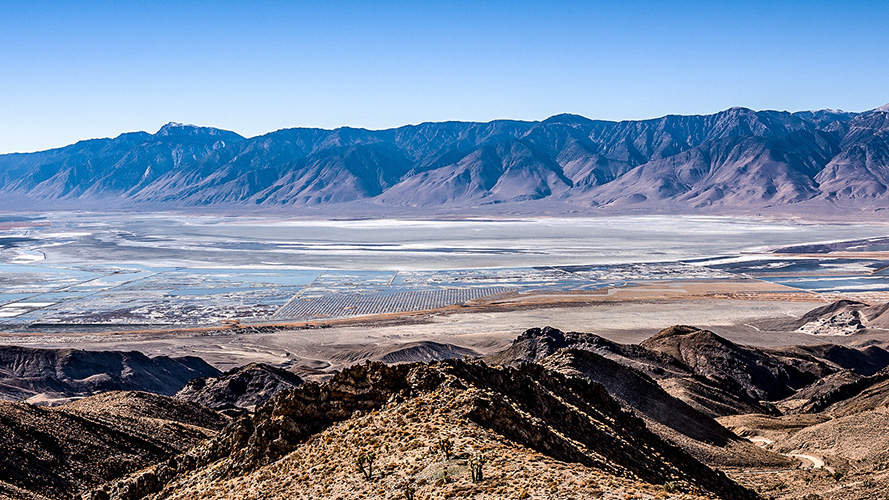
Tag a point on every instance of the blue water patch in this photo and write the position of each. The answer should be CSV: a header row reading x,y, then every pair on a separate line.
x,y
59,296
282,277
209,291
6,298
834,283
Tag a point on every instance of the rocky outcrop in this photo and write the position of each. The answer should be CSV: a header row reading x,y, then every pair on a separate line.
x,y
567,418
707,372
843,317
240,388
58,452
66,373
861,394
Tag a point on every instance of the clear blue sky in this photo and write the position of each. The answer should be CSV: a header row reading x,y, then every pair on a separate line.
x,y
71,71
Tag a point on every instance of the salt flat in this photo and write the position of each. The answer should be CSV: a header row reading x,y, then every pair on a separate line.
x,y
341,290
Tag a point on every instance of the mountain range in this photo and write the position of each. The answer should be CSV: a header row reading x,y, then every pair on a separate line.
x,y
734,160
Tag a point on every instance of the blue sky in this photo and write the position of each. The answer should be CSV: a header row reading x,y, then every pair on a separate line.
x,y
71,71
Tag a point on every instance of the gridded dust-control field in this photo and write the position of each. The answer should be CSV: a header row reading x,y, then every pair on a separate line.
x,y
348,305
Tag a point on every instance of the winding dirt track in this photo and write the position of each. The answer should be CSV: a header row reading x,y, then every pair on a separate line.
x,y
817,462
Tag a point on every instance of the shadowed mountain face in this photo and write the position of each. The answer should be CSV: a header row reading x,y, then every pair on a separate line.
x,y
737,159
57,452
243,387
63,373
709,373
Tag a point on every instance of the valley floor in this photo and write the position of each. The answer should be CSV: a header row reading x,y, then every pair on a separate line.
x,y
323,349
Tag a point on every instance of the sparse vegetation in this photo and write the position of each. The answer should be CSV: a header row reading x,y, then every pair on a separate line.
x,y
780,485
476,464
671,487
446,447
408,490
364,463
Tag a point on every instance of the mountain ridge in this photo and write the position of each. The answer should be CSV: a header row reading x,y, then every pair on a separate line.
x,y
738,159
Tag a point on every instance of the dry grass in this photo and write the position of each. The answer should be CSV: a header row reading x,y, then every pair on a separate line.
x,y
404,437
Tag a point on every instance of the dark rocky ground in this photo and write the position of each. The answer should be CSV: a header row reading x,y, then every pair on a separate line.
x,y
650,420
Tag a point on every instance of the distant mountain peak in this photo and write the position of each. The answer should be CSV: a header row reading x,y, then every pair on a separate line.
x,y
884,108
567,118
178,129
175,127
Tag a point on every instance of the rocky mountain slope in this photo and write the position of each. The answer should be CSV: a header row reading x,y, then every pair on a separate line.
x,y
53,453
239,388
49,374
539,431
709,373
843,317
555,415
738,159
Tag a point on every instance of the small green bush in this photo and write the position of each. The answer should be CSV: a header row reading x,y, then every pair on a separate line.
x,y
364,463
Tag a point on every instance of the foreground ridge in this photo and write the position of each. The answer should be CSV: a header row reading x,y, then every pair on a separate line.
x,y
529,408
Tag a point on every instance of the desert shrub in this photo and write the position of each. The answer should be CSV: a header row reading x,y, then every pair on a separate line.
x,y
408,490
364,463
446,447
776,486
476,464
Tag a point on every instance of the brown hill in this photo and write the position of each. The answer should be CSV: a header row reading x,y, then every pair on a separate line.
x,y
409,352
843,317
855,396
240,388
710,373
544,434
860,436
57,452
63,373
665,415
626,373
758,373
425,351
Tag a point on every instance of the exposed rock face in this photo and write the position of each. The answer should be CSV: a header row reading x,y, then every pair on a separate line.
x,y
845,323
240,388
425,352
711,374
567,418
57,452
858,395
628,373
737,159
63,373
667,416
760,374
843,317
